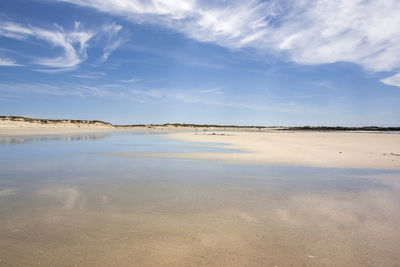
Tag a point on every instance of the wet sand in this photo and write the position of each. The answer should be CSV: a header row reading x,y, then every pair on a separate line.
x,y
67,201
195,215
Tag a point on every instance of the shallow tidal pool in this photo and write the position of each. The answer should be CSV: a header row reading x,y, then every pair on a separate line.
x,y
64,201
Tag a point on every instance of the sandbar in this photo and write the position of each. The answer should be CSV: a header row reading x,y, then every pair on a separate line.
x,y
314,149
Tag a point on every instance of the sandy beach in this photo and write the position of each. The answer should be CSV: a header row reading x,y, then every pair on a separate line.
x,y
314,149
271,147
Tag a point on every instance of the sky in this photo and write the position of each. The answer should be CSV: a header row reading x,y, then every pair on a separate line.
x,y
271,63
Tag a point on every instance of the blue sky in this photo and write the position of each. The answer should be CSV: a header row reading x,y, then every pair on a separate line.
x,y
276,62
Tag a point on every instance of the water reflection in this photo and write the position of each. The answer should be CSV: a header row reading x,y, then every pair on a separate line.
x,y
80,208
15,140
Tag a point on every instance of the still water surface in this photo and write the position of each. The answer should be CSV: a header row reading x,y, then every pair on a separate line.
x,y
63,202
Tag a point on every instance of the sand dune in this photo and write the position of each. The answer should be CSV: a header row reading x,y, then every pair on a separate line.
x,y
20,126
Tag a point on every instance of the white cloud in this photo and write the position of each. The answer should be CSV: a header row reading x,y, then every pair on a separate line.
x,y
8,62
112,29
392,80
71,56
89,75
111,47
364,32
210,91
112,44
73,43
132,80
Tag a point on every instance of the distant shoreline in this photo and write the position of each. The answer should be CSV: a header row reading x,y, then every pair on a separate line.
x,y
277,128
21,126
38,122
333,147
52,122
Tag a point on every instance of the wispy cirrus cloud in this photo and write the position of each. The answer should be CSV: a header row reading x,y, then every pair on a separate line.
x,y
61,90
112,43
17,89
392,80
8,62
366,33
57,37
111,47
89,75
211,91
131,80
164,95
74,43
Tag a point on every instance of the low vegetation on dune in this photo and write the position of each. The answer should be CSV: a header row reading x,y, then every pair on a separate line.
x,y
340,128
190,125
48,121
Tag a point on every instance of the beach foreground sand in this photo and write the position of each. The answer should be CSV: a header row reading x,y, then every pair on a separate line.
x,y
315,149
